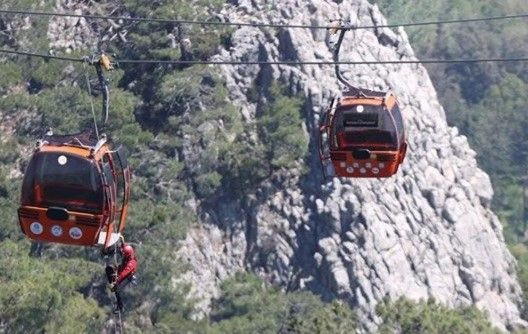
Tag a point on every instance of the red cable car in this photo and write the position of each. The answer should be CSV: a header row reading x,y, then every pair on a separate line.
x,y
362,133
76,189
364,136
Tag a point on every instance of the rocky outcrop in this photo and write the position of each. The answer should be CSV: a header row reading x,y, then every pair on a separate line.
x,y
73,33
427,232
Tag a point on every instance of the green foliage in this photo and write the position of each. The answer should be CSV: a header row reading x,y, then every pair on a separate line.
x,y
66,110
44,74
520,252
9,192
499,128
244,164
405,316
122,121
509,198
460,83
248,305
282,128
11,75
307,314
45,294
8,151
19,32
205,40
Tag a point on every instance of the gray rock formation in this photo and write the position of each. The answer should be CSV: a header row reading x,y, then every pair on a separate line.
x,y
427,232
73,33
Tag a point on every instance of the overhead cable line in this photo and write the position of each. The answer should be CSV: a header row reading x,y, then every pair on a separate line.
x,y
39,55
259,24
278,62
293,63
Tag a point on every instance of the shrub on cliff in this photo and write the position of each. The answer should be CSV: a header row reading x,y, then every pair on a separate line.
x,y
45,294
282,130
249,305
406,316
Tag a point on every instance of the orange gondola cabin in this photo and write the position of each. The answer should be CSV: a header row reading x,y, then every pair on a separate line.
x,y
75,191
362,135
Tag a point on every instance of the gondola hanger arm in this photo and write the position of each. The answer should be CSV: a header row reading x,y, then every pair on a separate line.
x,y
102,62
340,28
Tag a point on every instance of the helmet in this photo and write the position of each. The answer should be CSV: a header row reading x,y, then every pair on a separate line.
x,y
127,251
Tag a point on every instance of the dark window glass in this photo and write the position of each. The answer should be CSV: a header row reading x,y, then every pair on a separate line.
x,y
107,171
121,155
120,177
117,159
364,127
369,136
396,113
357,120
64,180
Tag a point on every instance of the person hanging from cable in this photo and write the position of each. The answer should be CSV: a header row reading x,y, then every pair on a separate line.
x,y
124,274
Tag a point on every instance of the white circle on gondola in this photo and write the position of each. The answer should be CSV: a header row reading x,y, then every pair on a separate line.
x,y
375,170
368,165
342,164
36,228
350,170
381,165
62,160
355,165
56,230
362,170
360,108
75,233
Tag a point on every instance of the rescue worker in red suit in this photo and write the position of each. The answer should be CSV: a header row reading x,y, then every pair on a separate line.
x,y
125,274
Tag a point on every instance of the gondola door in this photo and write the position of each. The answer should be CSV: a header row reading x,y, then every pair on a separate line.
x,y
117,184
108,237
325,140
123,176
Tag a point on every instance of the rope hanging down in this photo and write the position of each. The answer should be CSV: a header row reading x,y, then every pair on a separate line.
x,y
264,25
290,63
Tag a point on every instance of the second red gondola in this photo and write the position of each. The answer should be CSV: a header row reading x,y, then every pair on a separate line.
x,y
363,136
362,133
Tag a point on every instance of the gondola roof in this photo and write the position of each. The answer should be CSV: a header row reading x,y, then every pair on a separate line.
x,y
86,138
364,93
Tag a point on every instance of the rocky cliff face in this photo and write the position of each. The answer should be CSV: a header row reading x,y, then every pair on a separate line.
x,y
427,232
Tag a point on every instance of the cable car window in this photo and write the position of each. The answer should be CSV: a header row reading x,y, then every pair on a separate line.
x,y
369,120
397,118
364,126
369,137
122,156
63,180
107,171
28,197
120,177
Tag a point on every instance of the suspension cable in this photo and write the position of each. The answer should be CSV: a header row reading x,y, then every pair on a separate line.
x,y
38,55
91,100
260,24
278,62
